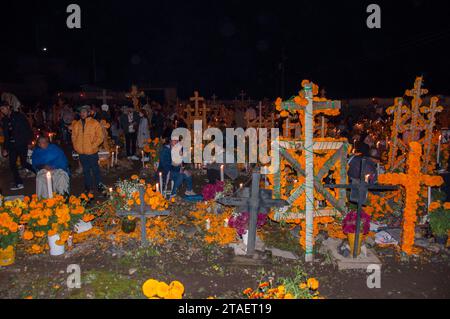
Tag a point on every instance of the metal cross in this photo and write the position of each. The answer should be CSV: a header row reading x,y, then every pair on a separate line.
x,y
359,193
257,201
143,213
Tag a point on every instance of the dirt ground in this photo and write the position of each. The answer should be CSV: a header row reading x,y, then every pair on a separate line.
x,y
112,271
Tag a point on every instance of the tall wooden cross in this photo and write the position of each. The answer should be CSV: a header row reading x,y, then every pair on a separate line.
x,y
432,112
214,97
256,203
134,96
358,194
412,181
309,158
416,94
242,95
196,99
104,97
143,213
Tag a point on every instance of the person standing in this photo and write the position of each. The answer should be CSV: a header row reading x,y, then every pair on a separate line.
x,y
87,136
129,121
18,136
143,131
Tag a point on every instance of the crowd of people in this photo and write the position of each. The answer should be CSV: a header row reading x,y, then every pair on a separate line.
x,y
83,131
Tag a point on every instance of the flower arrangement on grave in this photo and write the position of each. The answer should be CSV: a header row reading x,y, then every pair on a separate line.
x,y
299,287
154,289
210,191
151,149
240,221
55,216
440,221
349,224
45,217
10,216
127,196
215,226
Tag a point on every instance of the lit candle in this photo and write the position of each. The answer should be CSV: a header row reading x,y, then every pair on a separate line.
x,y
222,176
439,150
160,180
367,178
241,186
157,187
226,222
49,185
208,224
110,193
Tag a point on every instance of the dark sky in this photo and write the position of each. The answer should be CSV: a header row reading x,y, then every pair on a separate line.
x,y
224,46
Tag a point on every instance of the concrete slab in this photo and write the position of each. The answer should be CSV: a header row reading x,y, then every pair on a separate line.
x,y
283,253
344,263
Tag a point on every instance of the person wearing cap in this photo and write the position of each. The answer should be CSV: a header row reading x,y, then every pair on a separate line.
x,y
18,136
177,174
129,121
87,136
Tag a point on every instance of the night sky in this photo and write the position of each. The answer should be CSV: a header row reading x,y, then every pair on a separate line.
x,y
224,46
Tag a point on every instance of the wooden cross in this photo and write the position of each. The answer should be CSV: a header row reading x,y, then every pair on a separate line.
x,y
196,98
214,97
309,158
358,194
412,181
143,213
416,94
432,111
134,96
242,95
104,97
258,201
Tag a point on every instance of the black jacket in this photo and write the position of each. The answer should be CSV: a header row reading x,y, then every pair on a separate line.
x,y
21,130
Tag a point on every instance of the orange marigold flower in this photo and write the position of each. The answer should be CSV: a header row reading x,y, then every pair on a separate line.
x,y
28,235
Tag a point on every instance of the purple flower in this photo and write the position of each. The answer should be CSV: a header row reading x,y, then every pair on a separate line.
x,y
349,223
240,222
209,191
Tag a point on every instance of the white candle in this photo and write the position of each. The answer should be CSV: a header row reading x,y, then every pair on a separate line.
x,y
110,193
208,224
112,159
117,154
49,185
222,176
160,179
439,150
226,222
367,178
157,187
241,186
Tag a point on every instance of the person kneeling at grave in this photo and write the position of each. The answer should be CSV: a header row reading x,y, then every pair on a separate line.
x,y
174,170
46,158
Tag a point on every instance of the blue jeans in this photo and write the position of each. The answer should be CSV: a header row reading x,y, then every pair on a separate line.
x,y
178,179
91,171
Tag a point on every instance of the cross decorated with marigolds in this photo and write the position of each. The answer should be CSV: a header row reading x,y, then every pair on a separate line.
x,y
412,180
